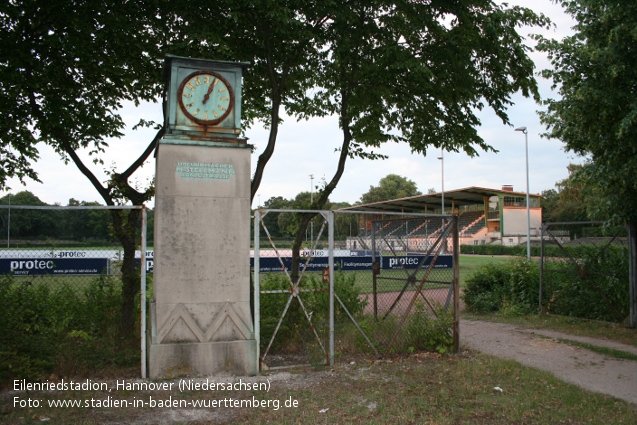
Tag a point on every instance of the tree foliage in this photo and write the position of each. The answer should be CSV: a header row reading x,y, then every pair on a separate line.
x,y
402,71
40,224
392,186
416,73
27,223
281,40
595,74
67,68
574,199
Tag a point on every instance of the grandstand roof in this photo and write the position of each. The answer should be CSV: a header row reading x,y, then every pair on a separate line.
x,y
468,196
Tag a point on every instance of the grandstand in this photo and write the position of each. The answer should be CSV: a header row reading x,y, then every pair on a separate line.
x,y
485,216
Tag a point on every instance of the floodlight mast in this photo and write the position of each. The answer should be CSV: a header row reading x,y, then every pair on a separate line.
x,y
528,211
442,163
442,204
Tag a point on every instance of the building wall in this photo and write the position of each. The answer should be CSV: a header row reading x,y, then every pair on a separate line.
x,y
514,219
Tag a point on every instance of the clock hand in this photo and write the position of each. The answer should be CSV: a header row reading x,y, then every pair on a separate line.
x,y
207,95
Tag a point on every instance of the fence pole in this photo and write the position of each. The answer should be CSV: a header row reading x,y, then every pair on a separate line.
x,y
143,291
374,279
330,237
257,287
456,285
542,228
632,266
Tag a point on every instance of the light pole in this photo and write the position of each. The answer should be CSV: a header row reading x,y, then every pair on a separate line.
x,y
442,205
311,202
528,211
442,163
9,221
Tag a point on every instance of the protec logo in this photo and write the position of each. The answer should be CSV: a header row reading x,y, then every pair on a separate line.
x,y
404,261
72,254
20,265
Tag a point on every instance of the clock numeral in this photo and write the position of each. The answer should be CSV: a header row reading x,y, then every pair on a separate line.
x,y
224,98
206,79
215,114
205,115
198,80
189,105
196,111
190,86
188,95
222,89
221,107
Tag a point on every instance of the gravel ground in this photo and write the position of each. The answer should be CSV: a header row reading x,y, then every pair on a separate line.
x,y
541,349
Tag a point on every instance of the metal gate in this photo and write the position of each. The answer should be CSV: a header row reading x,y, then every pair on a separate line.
x,y
414,294
336,302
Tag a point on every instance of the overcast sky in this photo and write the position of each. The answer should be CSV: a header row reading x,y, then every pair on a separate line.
x,y
308,147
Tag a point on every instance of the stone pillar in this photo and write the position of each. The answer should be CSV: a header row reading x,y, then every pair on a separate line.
x,y
201,321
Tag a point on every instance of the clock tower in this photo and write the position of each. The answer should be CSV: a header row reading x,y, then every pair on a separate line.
x,y
201,320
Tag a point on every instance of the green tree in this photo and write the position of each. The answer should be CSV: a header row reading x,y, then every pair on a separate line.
x,y
595,74
28,223
392,186
67,67
289,223
344,224
572,201
86,224
402,71
271,220
417,72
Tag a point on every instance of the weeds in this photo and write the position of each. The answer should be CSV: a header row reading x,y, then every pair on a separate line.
x,y
55,329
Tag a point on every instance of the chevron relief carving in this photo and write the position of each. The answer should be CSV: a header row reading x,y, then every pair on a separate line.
x,y
226,311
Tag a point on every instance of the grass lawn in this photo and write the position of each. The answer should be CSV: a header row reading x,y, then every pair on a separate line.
x,y
423,388
470,263
392,279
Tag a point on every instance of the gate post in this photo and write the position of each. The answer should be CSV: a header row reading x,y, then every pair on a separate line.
x,y
543,228
632,266
456,286
330,239
257,286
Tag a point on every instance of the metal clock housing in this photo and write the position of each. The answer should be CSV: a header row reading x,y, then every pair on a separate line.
x,y
205,97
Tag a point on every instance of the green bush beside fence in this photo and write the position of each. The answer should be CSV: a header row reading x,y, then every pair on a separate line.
x,y
58,329
595,286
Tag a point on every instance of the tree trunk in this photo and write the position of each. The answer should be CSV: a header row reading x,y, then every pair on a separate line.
x,y
296,246
125,229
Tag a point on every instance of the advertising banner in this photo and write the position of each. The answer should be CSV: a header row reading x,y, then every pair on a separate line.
x,y
57,266
273,264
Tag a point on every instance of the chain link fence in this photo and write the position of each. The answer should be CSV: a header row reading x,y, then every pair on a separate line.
x,y
361,284
69,290
410,292
584,271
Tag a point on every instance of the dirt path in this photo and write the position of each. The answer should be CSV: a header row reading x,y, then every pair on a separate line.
x,y
541,349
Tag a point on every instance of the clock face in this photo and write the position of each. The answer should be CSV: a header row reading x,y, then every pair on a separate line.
x,y
205,97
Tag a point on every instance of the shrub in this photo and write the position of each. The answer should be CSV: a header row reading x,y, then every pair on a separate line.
x,y
423,330
506,287
55,328
596,287
593,286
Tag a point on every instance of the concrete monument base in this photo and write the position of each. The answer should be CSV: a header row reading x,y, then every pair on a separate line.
x,y
204,358
201,320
